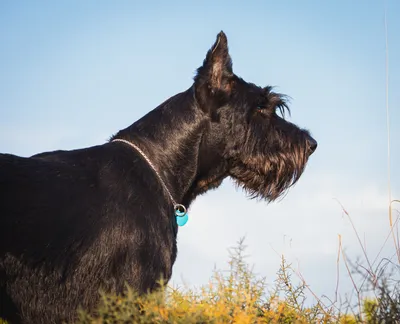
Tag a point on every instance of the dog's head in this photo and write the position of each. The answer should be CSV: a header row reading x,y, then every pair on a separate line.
x,y
261,150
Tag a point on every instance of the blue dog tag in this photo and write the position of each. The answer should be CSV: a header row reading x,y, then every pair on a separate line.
x,y
181,215
182,220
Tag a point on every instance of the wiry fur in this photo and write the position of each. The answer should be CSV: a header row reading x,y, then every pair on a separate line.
x,y
74,222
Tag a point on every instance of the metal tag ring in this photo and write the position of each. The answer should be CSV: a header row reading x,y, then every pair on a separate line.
x,y
180,210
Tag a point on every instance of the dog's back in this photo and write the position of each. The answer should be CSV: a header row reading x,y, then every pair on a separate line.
x,y
37,194
66,218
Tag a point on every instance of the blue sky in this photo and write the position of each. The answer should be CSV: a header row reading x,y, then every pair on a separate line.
x,y
73,73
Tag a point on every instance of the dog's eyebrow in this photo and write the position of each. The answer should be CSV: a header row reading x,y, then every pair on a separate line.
x,y
280,102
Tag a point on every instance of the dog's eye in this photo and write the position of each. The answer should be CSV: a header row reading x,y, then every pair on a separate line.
x,y
263,110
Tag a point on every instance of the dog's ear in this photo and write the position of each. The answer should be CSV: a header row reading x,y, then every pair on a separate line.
x,y
216,71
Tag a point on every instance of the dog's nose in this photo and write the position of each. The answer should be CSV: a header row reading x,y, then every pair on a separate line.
x,y
312,144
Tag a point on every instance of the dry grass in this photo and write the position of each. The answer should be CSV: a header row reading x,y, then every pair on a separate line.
x,y
239,296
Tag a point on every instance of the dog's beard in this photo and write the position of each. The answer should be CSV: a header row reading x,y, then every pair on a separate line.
x,y
269,176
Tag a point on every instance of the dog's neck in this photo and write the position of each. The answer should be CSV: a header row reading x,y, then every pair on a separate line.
x,y
176,144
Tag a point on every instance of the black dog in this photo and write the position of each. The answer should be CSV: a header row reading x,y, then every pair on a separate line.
x,y
74,222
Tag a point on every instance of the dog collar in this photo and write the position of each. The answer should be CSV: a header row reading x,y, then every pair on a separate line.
x,y
179,209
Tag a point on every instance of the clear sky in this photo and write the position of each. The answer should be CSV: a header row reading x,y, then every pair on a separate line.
x,y
72,73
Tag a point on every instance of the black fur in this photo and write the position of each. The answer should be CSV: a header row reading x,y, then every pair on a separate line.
x,y
74,222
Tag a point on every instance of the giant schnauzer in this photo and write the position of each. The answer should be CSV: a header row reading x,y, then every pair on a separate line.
x,y
76,222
